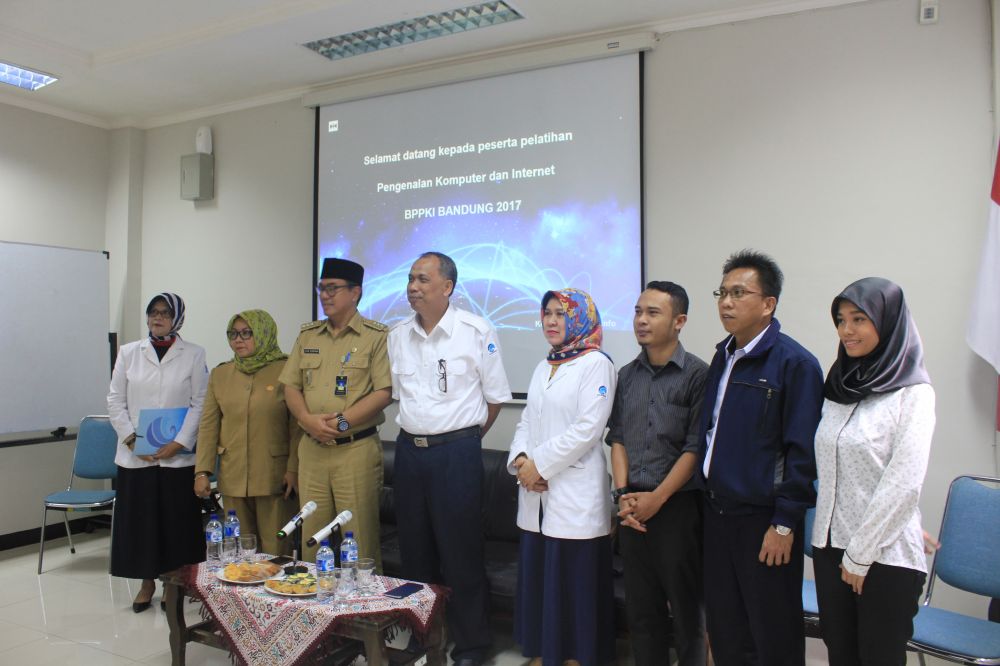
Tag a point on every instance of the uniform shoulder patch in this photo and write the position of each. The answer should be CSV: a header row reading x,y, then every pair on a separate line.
x,y
377,325
312,324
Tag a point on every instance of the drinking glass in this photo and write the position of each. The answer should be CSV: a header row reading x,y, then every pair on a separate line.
x,y
248,546
341,593
230,551
366,574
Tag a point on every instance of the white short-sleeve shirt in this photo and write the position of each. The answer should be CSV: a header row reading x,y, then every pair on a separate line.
x,y
443,380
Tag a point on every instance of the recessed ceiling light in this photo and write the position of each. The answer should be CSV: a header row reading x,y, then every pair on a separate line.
x,y
415,30
24,78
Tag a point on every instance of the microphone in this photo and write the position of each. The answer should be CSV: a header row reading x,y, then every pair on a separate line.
x,y
339,521
297,519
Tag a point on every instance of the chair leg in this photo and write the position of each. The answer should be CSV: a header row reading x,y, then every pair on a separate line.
x,y
920,657
41,543
69,536
111,538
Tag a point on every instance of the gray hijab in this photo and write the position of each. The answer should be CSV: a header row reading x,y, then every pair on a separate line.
x,y
897,360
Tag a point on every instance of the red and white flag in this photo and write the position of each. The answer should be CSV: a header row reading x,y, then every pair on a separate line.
x,y
984,320
983,334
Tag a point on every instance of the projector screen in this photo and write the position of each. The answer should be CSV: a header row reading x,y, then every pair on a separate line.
x,y
529,181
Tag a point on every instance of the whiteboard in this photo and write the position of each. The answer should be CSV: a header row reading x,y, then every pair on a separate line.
x,y
54,354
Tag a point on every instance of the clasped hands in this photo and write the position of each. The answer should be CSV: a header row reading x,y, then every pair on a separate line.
x,y
321,427
637,508
528,476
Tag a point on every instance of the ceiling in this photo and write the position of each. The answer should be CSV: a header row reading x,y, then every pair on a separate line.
x,y
145,63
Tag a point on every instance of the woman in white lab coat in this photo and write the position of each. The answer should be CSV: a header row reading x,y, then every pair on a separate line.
x,y
157,524
564,609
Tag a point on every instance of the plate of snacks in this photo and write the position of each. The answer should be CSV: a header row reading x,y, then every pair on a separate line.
x,y
248,573
292,585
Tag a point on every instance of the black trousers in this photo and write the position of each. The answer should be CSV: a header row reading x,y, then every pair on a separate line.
x,y
663,577
438,500
753,611
870,629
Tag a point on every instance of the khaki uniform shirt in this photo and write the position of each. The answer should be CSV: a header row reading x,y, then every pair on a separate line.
x,y
358,353
245,422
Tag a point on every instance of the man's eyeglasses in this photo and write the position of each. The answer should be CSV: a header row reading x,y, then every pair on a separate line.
x,y
443,375
331,289
736,293
242,334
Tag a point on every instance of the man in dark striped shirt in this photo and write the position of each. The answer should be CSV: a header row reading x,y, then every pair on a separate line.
x,y
653,433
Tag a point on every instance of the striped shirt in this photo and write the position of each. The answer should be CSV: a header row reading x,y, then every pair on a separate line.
x,y
655,415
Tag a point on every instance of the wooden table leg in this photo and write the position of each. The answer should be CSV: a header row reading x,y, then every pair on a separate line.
x,y
175,621
376,652
437,641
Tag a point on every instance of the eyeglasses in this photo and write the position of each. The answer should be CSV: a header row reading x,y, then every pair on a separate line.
x,y
443,375
736,293
242,334
332,289
166,314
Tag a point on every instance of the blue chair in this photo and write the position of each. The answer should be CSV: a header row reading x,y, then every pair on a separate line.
x,y
810,606
969,559
94,458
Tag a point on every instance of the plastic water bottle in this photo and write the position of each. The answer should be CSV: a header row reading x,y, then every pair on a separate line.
x,y
231,532
213,542
349,564
325,564
348,549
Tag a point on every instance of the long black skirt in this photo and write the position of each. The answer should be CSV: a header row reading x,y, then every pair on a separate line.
x,y
565,600
157,525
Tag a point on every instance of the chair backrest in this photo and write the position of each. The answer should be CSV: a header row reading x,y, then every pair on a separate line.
x,y
969,557
96,445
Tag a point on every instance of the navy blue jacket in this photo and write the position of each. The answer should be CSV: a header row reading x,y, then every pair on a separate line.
x,y
763,452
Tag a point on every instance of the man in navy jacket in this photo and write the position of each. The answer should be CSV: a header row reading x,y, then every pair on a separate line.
x,y
763,397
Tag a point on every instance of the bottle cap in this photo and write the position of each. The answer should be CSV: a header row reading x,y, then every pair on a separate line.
x,y
213,516
232,512
349,535
325,543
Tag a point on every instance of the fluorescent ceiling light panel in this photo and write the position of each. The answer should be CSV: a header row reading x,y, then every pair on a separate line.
x,y
415,30
24,78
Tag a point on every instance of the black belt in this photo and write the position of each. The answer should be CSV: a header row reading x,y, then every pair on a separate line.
x,y
423,441
367,432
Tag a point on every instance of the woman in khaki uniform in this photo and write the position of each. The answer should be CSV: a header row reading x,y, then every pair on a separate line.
x,y
246,425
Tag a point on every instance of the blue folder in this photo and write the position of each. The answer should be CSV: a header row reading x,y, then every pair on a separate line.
x,y
156,428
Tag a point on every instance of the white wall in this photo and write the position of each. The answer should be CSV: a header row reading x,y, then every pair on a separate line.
x,y
53,189
53,180
250,246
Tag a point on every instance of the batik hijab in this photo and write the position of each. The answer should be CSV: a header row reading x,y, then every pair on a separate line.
x,y
583,325
265,340
897,360
176,305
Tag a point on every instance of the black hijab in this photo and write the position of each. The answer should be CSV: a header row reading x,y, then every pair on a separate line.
x,y
897,360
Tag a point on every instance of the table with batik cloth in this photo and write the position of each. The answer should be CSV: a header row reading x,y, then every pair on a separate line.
x,y
257,627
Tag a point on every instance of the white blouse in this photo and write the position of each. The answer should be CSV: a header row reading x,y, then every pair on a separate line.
x,y
872,457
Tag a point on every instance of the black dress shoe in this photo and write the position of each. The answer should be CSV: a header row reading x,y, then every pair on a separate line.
x,y
139,606
468,661
163,605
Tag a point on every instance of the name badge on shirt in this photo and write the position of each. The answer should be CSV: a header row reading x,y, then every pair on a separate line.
x,y
341,388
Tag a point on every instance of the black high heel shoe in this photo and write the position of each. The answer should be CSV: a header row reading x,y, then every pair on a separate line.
x,y
139,606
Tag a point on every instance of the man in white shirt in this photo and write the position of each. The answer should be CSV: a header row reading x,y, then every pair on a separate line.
x,y
448,377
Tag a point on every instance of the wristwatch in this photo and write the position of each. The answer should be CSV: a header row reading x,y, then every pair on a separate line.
x,y
342,424
782,530
617,493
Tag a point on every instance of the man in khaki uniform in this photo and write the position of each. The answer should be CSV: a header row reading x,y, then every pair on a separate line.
x,y
337,383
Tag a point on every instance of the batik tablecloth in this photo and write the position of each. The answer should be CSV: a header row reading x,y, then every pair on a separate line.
x,y
263,628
